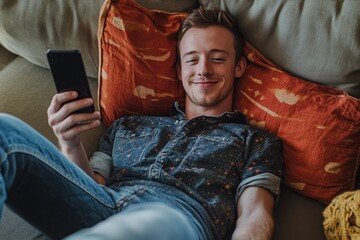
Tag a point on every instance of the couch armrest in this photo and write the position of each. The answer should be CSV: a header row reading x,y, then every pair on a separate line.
x,y
6,57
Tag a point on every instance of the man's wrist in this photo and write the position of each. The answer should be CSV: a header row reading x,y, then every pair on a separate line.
x,y
69,146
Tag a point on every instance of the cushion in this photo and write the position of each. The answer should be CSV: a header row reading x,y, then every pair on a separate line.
x,y
26,91
137,60
314,40
169,5
14,227
29,28
5,57
319,126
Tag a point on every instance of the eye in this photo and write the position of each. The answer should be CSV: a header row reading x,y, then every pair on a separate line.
x,y
218,60
191,61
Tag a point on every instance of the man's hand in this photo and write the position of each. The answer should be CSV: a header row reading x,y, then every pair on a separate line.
x,y
255,215
67,126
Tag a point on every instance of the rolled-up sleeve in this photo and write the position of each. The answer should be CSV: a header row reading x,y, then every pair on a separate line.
x,y
263,165
101,163
268,181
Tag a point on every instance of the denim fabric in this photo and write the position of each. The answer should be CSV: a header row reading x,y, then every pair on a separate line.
x,y
208,161
142,222
53,194
45,188
196,167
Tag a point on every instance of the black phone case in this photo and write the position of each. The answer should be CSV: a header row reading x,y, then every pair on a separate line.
x,y
69,74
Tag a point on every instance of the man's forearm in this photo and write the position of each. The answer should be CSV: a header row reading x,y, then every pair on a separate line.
x,y
77,155
255,215
255,227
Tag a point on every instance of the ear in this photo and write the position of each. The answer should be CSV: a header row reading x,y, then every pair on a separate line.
x,y
240,67
178,71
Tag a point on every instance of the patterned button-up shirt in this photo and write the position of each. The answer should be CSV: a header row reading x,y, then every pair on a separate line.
x,y
211,159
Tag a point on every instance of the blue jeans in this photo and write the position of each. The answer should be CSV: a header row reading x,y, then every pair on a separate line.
x,y
57,197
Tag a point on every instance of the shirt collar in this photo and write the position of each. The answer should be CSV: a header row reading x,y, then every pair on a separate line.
x,y
234,117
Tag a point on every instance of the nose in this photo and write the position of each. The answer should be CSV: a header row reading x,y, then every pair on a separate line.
x,y
204,68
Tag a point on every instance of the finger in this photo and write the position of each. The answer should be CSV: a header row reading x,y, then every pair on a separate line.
x,y
73,120
76,129
87,117
80,118
73,106
56,104
60,98
68,109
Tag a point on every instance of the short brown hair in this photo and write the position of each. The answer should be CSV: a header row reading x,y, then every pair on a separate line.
x,y
202,18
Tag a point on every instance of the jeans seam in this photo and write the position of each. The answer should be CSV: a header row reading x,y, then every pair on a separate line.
x,y
39,156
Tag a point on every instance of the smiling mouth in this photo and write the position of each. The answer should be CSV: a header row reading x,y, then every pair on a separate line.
x,y
205,83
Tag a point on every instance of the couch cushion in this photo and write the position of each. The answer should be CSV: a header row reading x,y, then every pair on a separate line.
x,y
137,60
319,126
319,165
26,91
298,217
5,57
315,40
15,228
29,28
169,5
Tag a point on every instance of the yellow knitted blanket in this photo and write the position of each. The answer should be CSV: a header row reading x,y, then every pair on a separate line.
x,y
342,217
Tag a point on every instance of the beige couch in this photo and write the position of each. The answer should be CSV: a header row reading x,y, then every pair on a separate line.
x,y
282,30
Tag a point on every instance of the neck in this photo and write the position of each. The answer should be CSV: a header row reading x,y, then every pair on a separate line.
x,y
193,110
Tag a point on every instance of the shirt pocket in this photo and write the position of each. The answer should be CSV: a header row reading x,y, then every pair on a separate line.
x,y
215,155
129,147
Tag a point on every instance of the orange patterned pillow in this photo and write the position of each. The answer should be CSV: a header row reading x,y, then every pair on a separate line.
x,y
319,126
137,60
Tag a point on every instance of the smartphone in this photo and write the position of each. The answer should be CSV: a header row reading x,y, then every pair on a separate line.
x,y
69,74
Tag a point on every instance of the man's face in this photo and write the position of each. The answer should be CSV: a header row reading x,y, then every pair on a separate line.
x,y
207,65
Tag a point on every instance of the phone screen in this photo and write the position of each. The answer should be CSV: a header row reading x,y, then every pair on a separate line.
x,y
69,74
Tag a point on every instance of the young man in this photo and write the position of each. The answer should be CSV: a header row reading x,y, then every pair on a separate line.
x,y
201,174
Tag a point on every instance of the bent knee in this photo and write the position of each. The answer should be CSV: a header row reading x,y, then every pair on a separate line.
x,y
8,121
162,220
